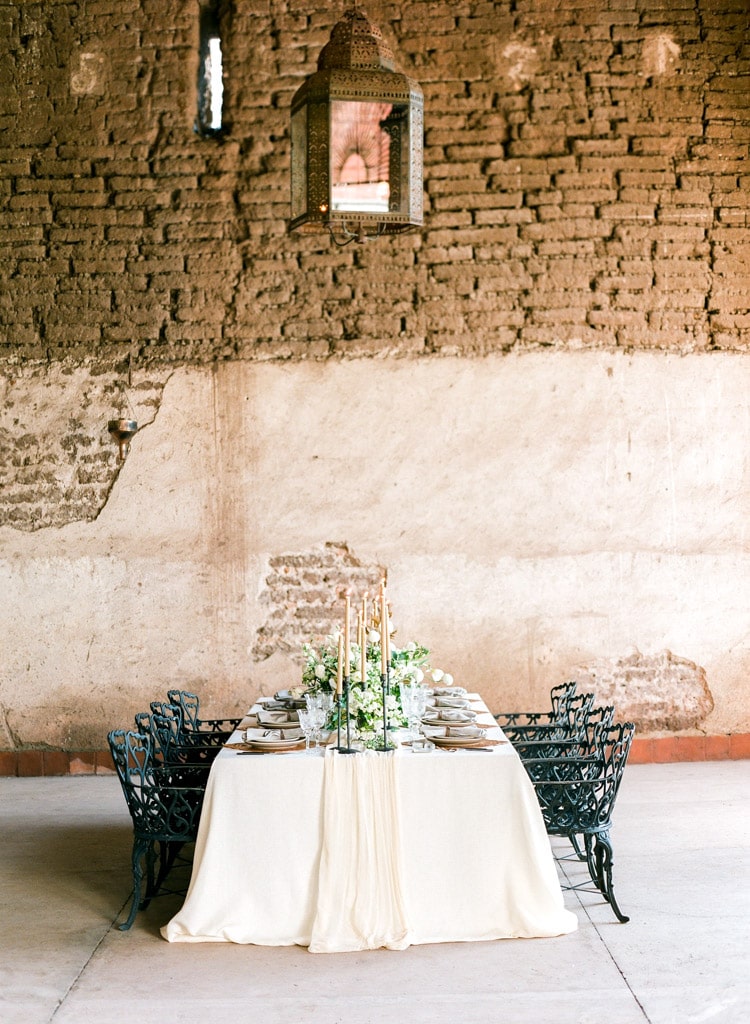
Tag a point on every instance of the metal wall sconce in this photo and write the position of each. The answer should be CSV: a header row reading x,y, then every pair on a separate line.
x,y
357,133
121,429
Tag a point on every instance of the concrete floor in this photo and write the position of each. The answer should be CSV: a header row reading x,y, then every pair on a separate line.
x,y
682,846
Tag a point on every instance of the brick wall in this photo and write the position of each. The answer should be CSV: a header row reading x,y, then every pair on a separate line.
x,y
586,182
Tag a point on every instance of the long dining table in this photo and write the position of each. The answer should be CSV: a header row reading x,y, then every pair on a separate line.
x,y
345,852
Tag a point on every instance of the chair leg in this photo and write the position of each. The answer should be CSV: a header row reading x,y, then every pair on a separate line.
x,y
575,843
152,886
590,858
140,847
602,874
168,855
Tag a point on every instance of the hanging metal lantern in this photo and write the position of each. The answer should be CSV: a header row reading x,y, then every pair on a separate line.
x,y
356,128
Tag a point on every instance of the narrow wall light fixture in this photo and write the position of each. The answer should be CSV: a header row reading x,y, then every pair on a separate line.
x,y
122,429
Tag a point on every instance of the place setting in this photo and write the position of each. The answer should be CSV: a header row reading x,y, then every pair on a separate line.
x,y
297,725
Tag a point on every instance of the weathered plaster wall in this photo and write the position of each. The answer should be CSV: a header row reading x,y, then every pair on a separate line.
x,y
531,413
534,514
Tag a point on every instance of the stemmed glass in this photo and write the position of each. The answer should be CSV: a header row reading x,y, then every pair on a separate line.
x,y
307,723
319,706
413,704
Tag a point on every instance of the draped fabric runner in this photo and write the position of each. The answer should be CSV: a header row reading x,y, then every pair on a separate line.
x,y
361,901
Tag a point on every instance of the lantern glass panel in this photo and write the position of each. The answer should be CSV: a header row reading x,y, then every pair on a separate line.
x,y
360,157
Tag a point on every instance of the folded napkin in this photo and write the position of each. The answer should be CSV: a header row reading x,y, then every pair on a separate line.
x,y
451,702
450,691
464,730
277,717
271,704
292,733
451,715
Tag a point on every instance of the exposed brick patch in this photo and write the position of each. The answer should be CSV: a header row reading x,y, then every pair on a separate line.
x,y
305,596
58,462
657,692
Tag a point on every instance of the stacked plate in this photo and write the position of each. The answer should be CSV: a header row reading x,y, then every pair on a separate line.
x,y
449,716
468,741
283,719
450,702
289,700
288,739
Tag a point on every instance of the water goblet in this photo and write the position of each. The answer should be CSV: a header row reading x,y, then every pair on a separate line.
x,y
413,704
307,725
320,717
319,705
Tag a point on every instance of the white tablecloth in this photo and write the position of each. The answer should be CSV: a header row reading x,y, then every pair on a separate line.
x,y
349,852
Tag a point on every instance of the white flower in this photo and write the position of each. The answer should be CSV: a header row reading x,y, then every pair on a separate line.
x,y
418,675
447,679
437,675
320,671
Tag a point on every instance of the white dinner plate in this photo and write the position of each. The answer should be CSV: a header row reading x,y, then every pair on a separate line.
x,y
256,736
274,743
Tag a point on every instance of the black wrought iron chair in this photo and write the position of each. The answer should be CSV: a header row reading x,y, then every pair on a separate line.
x,y
576,734
564,716
557,693
164,802
577,793
205,731
171,743
556,753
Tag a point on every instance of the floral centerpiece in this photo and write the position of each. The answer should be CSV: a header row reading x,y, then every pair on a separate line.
x,y
363,664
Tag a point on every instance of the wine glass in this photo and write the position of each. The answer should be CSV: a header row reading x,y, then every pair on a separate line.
x,y
413,704
307,723
319,705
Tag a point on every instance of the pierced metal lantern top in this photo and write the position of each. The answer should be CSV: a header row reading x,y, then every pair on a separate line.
x,y
356,133
356,43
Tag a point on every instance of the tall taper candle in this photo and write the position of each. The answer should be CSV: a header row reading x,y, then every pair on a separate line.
x,y
347,644
340,667
362,648
388,613
383,635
